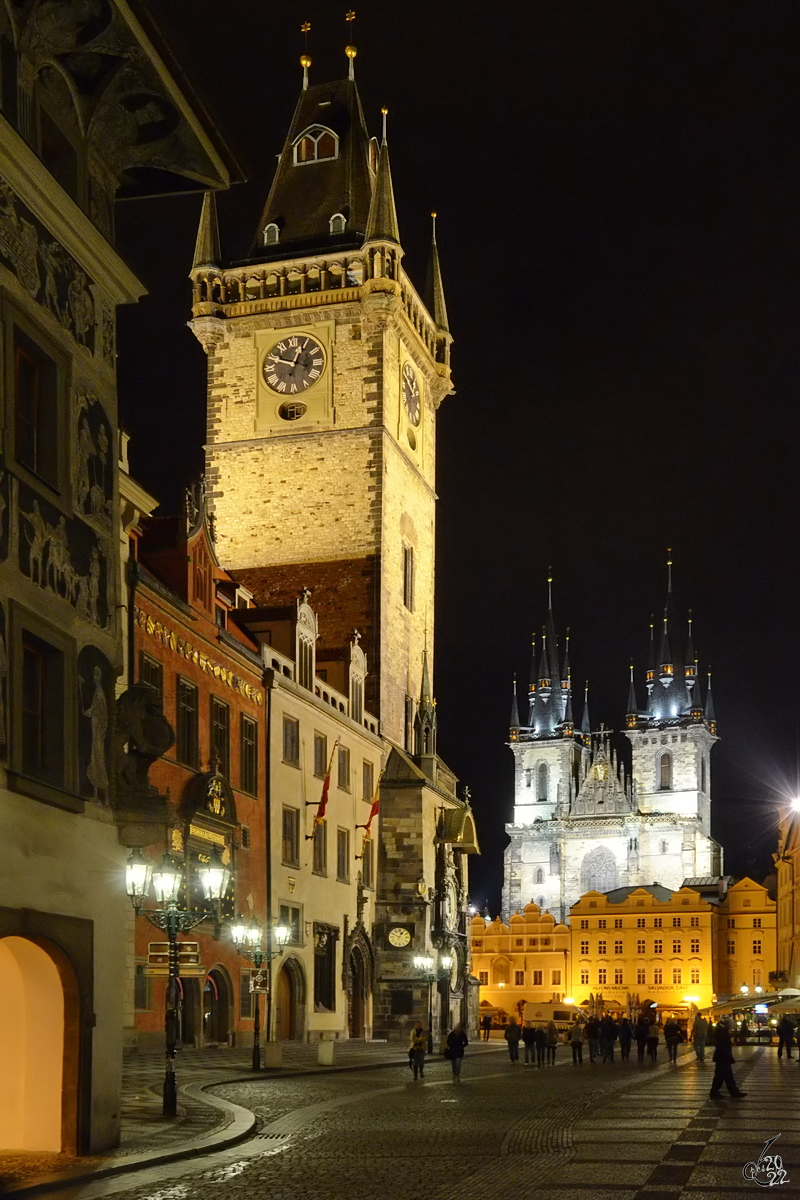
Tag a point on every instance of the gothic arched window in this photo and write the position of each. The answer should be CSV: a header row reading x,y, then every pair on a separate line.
x,y
338,223
316,144
271,235
665,772
542,782
539,875
599,871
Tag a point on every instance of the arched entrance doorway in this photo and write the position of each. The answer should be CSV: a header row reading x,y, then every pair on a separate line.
x,y
189,1012
217,1007
289,1002
357,987
38,1007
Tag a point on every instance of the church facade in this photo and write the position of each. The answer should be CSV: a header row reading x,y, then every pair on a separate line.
x,y
586,821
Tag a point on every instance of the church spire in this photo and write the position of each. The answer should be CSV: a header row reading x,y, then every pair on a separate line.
x,y
632,715
425,722
710,714
696,711
382,220
434,289
586,727
514,722
207,251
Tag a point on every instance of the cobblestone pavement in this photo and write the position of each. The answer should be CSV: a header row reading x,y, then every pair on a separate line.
x,y
614,1132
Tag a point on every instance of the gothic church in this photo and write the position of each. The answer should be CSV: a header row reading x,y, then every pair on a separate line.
x,y
582,820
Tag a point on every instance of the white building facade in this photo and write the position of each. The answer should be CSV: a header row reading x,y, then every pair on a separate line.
x,y
585,821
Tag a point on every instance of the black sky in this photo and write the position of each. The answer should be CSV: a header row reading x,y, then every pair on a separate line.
x,y
618,190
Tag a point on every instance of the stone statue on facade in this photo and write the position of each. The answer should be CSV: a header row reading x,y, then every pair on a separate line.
x,y
142,734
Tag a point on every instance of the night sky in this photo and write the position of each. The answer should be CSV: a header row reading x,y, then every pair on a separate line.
x,y
618,190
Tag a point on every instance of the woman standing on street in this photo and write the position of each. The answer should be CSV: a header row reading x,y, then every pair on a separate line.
x,y
625,1035
576,1041
540,1037
653,1038
456,1043
419,1044
529,1040
512,1035
642,1029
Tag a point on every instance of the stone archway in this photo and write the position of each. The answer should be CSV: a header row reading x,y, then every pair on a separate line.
x,y
599,871
39,1046
358,971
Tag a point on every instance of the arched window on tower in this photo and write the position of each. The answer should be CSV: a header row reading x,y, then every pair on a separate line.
x,y
315,144
271,235
703,774
338,223
529,778
539,875
665,772
542,782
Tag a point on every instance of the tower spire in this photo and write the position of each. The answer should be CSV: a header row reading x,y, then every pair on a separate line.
x,y
586,727
434,289
350,49
382,220
514,723
710,714
305,59
425,722
207,251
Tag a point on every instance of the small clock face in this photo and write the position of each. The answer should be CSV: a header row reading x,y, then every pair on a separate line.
x,y
399,936
294,365
411,394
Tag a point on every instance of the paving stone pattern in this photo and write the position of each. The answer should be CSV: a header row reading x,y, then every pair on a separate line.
x,y
604,1132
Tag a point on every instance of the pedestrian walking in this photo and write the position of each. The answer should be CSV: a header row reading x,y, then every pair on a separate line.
x,y
419,1044
608,1036
552,1042
700,1037
529,1041
785,1029
486,1026
723,1063
642,1030
625,1035
512,1034
653,1039
593,1038
672,1035
540,1038
576,1041
455,1046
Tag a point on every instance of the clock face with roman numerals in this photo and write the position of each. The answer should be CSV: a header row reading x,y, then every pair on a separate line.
x,y
294,365
411,394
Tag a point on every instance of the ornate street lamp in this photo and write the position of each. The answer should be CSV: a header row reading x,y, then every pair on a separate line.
x,y
247,940
167,879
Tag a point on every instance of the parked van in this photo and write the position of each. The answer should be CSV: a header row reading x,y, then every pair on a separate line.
x,y
564,1015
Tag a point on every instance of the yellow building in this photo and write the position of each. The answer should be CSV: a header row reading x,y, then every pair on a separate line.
x,y
636,947
787,862
746,951
527,959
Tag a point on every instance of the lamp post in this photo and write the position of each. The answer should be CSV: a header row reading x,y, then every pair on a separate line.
x,y
167,879
247,940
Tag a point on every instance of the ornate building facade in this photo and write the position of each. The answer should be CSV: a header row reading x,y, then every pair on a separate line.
x,y
584,821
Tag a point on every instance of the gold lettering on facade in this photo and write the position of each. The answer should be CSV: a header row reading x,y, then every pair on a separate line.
x,y
168,638
207,835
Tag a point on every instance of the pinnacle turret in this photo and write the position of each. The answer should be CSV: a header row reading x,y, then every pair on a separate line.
x,y
434,289
207,251
382,220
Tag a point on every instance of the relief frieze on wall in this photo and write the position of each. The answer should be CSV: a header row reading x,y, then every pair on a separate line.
x,y
49,274
63,557
93,470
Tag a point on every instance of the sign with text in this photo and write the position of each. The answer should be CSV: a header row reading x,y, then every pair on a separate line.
x,y
189,964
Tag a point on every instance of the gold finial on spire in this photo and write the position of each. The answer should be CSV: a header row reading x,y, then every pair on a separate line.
x,y
384,114
350,49
305,57
669,568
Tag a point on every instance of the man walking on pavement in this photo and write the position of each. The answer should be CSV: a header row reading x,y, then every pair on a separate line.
x,y
700,1031
785,1029
593,1037
723,1063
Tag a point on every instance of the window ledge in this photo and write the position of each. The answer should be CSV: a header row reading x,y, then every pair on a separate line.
x,y
48,793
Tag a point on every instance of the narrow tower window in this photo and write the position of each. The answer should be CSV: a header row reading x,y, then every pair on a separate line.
x,y
338,223
271,235
665,772
541,782
539,875
408,577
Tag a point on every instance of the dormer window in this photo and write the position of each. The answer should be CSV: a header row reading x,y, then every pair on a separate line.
x,y
338,223
271,235
315,144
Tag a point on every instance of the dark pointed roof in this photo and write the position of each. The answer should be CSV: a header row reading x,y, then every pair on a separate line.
x,y
689,655
633,707
434,289
710,714
304,196
569,719
585,723
514,723
382,220
207,249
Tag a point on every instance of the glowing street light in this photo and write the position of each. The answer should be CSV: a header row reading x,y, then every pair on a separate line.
x,y
247,940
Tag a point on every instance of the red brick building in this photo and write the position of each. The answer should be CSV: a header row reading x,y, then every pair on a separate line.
x,y
210,676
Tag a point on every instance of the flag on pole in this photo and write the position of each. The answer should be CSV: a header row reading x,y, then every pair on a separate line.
x,y
319,815
373,812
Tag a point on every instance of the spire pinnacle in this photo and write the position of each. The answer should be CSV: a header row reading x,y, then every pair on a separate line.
x,y
207,250
586,727
710,715
550,588
305,59
633,708
382,220
350,49
434,291
514,723
669,569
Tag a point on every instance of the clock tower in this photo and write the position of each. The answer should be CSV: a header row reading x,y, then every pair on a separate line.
x,y
326,368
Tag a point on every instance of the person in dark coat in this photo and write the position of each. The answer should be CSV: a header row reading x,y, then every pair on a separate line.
x,y
625,1038
529,1042
608,1036
457,1042
642,1030
593,1037
541,1044
486,1026
723,1063
512,1034
672,1035
785,1030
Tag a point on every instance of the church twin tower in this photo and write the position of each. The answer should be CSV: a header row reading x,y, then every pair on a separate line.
x,y
326,369
580,822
